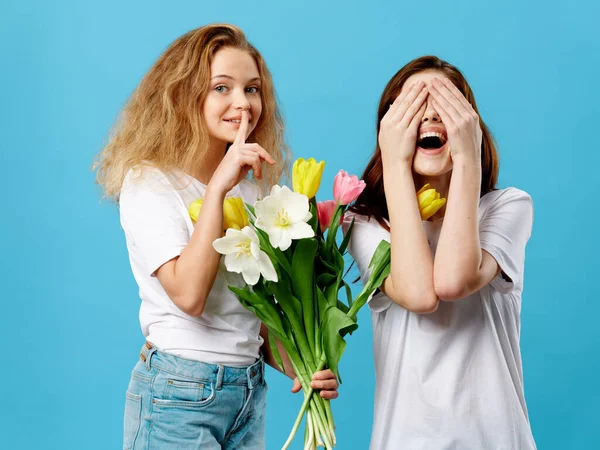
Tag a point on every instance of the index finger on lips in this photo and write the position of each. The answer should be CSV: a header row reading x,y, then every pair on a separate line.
x,y
240,137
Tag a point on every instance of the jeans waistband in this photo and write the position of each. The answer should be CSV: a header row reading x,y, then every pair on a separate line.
x,y
252,375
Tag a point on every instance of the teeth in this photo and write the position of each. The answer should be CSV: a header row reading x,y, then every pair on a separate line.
x,y
433,134
234,121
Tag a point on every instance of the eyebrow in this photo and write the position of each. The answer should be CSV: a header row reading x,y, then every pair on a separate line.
x,y
231,78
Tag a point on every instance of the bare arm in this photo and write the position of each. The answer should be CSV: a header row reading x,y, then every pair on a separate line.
x,y
188,278
410,283
461,267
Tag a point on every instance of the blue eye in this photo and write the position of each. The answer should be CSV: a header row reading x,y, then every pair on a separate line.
x,y
252,90
221,88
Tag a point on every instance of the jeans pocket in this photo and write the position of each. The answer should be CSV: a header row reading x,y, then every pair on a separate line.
x,y
133,411
186,394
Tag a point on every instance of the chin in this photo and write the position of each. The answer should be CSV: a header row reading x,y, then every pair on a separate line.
x,y
432,166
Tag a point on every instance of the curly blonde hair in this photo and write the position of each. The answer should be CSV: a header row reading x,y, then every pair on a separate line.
x,y
162,122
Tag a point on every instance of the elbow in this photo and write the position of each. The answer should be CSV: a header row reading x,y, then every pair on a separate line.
x,y
192,305
450,289
424,304
419,301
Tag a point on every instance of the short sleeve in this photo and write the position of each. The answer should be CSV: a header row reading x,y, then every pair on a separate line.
x,y
366,236
152,216
504,229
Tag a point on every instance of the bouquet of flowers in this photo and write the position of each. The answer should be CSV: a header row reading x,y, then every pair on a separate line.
x,y
285,248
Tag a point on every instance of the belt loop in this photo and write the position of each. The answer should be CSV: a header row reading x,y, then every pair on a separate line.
x,y
220,374
151,349
249,377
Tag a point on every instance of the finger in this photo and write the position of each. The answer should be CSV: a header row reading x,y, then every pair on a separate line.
x,y
296,386
401,96
418,117
453,103
442,113
414,95
265,155
415,107
443,105
459,95
240,137
326,385
326,374
250,158
329,395
404,100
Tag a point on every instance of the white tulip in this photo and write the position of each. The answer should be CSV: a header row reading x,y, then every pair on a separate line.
x,y
283,215
243,255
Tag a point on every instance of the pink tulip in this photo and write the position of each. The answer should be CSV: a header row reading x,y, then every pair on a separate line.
x,y
347,188
325,211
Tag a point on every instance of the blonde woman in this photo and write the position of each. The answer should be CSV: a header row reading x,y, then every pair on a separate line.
x,y
203,116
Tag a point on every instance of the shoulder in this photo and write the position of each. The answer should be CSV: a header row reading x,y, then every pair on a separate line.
x,y
362,221
146,186
144,176
506,196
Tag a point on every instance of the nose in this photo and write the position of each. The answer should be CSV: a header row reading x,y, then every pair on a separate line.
x,y
431,114
240,101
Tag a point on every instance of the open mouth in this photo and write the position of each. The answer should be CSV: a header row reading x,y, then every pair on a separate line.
x,y
431,140
233,120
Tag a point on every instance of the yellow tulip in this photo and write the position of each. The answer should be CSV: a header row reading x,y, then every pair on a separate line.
x,y
429,201
194,209
306,176
234,213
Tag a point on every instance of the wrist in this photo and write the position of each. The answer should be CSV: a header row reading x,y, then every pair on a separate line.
x,y
397,168
215,190
467,159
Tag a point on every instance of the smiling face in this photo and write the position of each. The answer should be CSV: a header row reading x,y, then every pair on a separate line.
x,y
432,155
234,87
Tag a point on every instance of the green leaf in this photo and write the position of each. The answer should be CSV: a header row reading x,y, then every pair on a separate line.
x,y
381,264
250,208
314,220
322,303
333,226
326,279
303,266
346,240
262,308
331,294
342,307
348,293
275,351
335,326
292,309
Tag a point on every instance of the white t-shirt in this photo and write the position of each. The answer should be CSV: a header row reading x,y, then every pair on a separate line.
x,y
155,218
453,379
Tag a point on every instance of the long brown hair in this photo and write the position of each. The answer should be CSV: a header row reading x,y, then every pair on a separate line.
x,y
372,201
162,121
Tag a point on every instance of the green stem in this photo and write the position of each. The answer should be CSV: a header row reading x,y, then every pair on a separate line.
x,y
308,394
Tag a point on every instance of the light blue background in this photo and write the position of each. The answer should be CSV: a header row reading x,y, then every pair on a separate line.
x,y
68,326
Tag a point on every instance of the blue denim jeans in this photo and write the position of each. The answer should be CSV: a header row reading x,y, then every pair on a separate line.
x,y
176,403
